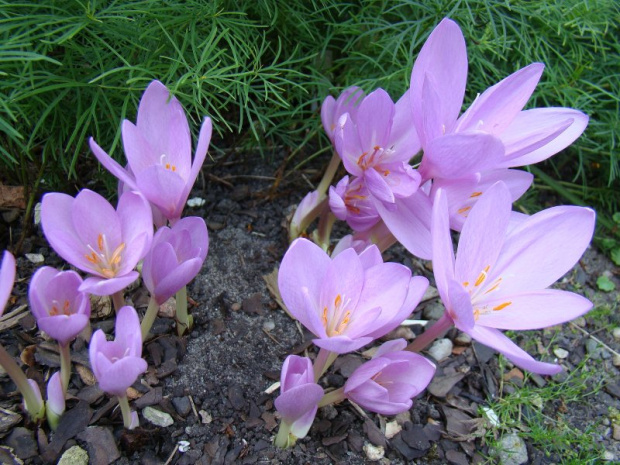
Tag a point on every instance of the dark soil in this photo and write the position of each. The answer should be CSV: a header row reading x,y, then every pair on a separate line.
x,y
213,382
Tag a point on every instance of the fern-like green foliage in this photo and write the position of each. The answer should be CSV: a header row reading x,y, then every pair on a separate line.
x,y
71,69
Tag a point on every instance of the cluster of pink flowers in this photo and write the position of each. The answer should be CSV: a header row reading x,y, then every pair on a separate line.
x,y
108,244
463,180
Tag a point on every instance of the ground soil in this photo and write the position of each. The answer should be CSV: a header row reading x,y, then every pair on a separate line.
x,y
214,382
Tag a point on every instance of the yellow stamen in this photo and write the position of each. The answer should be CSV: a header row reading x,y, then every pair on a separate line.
x,y
343,324
100,242
495,286
475,194
462,211
465,283
502,306
324,317
337,300
482,276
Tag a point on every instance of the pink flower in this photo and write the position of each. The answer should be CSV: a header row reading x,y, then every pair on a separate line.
x,y
299,395
61,310
92,236
118,363
500,276
387,383
377,143
494,132
158,148
175,258
332,109
351,202
347,301
7,278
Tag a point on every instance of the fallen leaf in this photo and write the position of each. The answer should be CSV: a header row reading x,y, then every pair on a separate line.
x,y
12,196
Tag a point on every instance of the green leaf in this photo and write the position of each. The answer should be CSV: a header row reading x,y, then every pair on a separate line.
x,y
615,255
616,217
605,284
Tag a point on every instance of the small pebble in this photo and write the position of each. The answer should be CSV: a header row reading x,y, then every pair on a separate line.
x,y
35,258
157,417
512,450
616,432
205,417
441,349
616,360
616,333
609,456
74,456
374,453
37,213
269,325
196,202
392,429
463,339
560,353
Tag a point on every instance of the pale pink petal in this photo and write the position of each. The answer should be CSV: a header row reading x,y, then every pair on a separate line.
x,y
462,154
460,308
385,286
378,186
96,221
136,224
163,188
410,222
162,121
403,136
443,251
301,273
494,110
111,165
533,310
344,277
348,146
343,344
327,116
138,150
483,236
108,286
374,119
444,57
176,278
495,339
7,278
433,125
542,249
537,134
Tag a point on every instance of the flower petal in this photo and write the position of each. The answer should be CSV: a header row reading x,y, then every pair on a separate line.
x,y
7,278
534,310
494,110
443,250
112,166
444,57
496,340
374,119
104,286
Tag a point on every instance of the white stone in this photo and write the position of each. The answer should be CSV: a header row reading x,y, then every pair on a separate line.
x,y
183,446
560,353
463,339
441,349
392,428
157,417
35,258
205,417
374,453
74,456
491,416
196,202
269,325
616,360
37,213
512,450
616,333
609,456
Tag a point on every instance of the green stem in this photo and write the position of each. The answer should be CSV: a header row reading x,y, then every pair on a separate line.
x,y
149,318
432,333
283,438
330,172
34,406
323,362
332,397
118,300
125,410
184,322
65,366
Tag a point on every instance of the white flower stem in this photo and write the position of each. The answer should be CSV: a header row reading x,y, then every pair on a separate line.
x,y
35,407
149,318
125,410
432,333
65,366
283,437
330,172
183,320
332,397
118,299
323,362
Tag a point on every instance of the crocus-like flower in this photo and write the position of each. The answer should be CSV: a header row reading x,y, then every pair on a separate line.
x,y
350,202
332,109
61,310
377,144
387,383
159,151
299,397
88,233
55,406
494,132
117,364
7,278
349,300
175,258
500,276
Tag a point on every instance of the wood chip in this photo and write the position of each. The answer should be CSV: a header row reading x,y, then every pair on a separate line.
x,y
86,375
